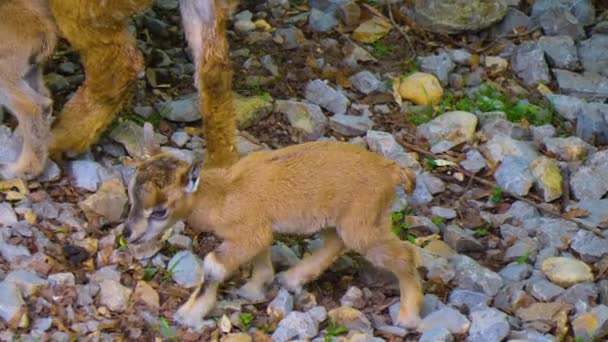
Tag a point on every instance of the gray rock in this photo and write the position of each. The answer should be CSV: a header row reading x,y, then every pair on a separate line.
x,y
244,26
566,106
320,21
7,214
561,51
544,290
592,123
446,213
186,269
582,292
587,86
598,329
108,203
86,174
597,211
514,19
499,125
114,295
547,178
456,127
318,313
166,4
12,253
350,125
460,56
320,93
180,138
130,134
589,247
583,10
552,232
282,256
497,148
28,282
12,305
590,181
570,148
525,247
297,325
460,241
436,335
269,65
559,21
514,175
456,16
440,65
307,118
290,37
539,133
473,161
385,144
353,298
530,65
515,272
61,279
281,305
511,233
472,276
366,82
488,325
184,109
448,318
469,300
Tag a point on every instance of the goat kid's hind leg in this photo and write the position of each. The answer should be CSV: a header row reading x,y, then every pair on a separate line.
x,y
400,258
262,274
217,267
313,265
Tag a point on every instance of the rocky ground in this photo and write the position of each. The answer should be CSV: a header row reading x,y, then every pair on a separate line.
x,y
504,124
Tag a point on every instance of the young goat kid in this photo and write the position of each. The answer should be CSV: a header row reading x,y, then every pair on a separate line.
x,y
338,189
27,38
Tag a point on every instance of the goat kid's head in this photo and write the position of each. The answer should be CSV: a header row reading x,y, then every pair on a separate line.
x,y
160,192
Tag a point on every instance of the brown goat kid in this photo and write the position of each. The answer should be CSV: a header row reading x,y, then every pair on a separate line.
x,y
338,189
27,38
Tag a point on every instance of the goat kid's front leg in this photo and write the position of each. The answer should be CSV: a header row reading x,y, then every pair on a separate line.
x,y
217,267
262,274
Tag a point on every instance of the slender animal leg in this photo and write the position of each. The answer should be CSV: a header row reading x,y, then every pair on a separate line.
x,y
400,258
217,266
29,107
205,26
313,265
261,275
112,62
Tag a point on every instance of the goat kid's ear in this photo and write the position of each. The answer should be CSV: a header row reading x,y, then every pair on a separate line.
x,y
151,148
193,178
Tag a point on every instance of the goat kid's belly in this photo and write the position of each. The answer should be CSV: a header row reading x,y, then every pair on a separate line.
x,y
302,226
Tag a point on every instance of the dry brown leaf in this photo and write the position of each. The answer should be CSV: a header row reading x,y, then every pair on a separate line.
x,y
576,212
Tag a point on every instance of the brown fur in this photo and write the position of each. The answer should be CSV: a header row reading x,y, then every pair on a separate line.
x,y
27,38
112,62
337,189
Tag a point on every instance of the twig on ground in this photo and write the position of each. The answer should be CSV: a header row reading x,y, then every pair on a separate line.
x,y
492,184
390,18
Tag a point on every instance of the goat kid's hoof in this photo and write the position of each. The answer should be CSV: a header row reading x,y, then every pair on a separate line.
x,y
251,293
287,281
190,319
410,322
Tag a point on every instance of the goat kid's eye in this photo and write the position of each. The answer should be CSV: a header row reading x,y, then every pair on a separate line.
x,y
159,214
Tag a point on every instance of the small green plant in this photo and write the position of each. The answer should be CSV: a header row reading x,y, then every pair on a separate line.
x,y
411,238
524,258
381,49
171,271
411,66
399,224
149,273
497,194
431,164
246,318
481,231
421,115
121,242
165,329
438,221
333,330
465,104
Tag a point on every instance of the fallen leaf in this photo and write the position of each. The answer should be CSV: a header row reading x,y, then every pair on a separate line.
x,y
576,212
